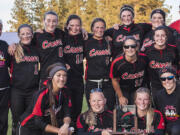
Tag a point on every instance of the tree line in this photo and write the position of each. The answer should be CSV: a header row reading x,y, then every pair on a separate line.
x,y
32,11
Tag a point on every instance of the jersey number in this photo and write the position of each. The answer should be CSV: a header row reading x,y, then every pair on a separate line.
x,y
79,58
60,52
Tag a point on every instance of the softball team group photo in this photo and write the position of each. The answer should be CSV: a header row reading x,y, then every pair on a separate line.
x,y
47,74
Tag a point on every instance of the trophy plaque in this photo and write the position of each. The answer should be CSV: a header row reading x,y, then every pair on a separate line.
x,y
125,120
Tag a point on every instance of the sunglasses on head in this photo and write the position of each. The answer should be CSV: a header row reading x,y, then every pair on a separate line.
x,y
127,46
168,77
96,90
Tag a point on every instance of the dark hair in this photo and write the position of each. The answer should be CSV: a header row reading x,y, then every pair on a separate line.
x,y
71,17
50,13
97,20
130,37
169,69
160,11
164,28
23,26
127,7
51,96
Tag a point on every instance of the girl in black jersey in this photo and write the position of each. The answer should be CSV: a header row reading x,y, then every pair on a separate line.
x,y
25,73
160,55
150,121
128,72
128,28
49,112
97,120
73,55
158,18
98,55
49,43
167,100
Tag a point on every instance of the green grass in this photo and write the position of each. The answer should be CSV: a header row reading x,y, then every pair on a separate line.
x,y
84,108
9,123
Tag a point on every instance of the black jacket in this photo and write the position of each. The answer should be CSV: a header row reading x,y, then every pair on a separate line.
x,y
4,64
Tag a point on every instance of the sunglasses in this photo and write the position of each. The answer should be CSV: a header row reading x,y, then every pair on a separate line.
x,y
96,90
132,46
164,78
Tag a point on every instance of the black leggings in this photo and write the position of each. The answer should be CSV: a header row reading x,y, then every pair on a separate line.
x,y
19,103
4,97
76,86
26,131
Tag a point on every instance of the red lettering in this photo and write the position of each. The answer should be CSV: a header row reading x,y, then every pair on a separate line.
x,y
94,52
47,44
154,64
69,49
126,76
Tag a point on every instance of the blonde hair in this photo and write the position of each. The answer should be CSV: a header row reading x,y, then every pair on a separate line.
x,y
90,118
19,53
150,110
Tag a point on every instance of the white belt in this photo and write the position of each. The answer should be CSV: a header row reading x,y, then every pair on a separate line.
x,y
100,80
3,88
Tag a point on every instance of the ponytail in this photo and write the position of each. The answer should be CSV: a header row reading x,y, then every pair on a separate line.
x,y
52,105
19,53
90,118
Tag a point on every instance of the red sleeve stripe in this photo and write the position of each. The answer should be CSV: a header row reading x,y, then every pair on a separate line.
x,y
78,123
112,65
11,70
172,45
109,111
142,54
86,69
45,82
69,103
26,119
161,123
37,108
